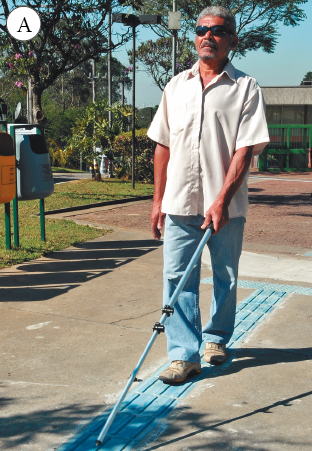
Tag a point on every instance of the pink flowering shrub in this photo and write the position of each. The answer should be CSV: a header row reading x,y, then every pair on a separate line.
x,y
19,84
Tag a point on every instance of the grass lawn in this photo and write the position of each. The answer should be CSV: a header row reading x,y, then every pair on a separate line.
x,y
62,233
81,192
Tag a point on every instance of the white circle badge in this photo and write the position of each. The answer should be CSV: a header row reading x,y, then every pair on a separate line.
x,y
23,23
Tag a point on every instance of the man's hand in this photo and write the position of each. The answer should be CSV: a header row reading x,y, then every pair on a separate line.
x,y
157,220
161,159
218,214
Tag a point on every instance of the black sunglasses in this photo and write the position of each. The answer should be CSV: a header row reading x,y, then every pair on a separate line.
x,y
216,30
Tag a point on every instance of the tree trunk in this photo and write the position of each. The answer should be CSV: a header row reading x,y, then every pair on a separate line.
x,y
38,114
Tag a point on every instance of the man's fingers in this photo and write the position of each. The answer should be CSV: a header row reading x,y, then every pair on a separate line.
x,y
155,232
208,220
160,222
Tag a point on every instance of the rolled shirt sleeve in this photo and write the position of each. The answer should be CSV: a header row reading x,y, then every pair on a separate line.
x,y
159,130
252,128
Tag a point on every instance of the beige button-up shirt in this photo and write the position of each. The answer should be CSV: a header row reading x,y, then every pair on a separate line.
x,y
203,129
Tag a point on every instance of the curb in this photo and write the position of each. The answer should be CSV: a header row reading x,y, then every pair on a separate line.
x,y
99,204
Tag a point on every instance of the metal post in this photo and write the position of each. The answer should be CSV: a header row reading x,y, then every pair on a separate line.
x,y
288,148
42,219
15,222
123,91
133,109
29,105
109,66
7,216
174,43
93,81
93,100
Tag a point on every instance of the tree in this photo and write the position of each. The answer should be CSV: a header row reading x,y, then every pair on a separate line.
x,y
257,26
119,76
93,126
73,89
71,33
156,56
307,77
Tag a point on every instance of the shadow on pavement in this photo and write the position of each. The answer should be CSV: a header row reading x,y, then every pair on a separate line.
x,y
62,271
239,359
23,429
227,441
280,200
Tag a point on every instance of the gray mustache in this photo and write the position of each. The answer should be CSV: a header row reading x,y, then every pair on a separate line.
x,y
208,44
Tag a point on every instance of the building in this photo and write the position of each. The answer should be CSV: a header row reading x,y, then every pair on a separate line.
x,y
288,104
289,117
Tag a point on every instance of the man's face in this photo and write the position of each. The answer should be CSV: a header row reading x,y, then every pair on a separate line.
x,y
210,47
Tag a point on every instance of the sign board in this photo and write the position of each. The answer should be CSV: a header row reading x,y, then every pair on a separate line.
x,y
174,20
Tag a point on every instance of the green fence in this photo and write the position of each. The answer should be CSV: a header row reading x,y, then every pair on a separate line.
x,y
288,148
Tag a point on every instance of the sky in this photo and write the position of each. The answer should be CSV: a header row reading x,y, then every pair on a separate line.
x,y
291,60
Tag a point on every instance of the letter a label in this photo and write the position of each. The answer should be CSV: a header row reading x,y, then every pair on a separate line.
x,y
23,23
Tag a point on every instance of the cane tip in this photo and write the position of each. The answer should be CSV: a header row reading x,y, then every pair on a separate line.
x,y
98,443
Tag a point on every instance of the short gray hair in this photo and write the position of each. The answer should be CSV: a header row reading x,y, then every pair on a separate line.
x,y
220,11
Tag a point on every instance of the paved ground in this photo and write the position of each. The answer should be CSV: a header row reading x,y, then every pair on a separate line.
x,y
74,324
70,176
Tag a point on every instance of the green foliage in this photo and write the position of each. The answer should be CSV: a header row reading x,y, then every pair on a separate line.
x,y
145,116
119,76
60,122
93,126
156,57
307,77
144,148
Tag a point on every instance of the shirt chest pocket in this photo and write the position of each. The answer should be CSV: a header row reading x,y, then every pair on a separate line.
x,y
177,118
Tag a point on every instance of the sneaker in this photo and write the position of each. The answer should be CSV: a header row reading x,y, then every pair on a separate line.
x,y
215,353
179,371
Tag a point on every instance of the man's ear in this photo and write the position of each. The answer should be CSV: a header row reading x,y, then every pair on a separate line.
x,y
234,43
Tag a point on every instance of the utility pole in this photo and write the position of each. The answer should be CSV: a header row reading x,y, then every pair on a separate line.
x,y
93,77
133,107
122,91
174,43
109,65
93,81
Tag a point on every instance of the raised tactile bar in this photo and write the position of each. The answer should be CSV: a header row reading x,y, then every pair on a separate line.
x,y
152,400
274,286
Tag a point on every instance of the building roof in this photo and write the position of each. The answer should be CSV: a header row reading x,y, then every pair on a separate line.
x,y
287,95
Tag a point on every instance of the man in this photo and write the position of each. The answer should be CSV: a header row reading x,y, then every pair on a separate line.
x,y
210,122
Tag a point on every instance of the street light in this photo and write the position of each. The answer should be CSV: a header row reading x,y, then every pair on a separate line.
x,y
133,21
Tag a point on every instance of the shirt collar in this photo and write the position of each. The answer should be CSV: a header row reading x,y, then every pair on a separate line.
x,y
229,69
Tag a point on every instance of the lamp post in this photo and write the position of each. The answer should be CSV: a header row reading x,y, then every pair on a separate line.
x,y
174,24
133,21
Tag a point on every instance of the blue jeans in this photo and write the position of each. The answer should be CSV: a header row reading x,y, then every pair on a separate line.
x,y
183,329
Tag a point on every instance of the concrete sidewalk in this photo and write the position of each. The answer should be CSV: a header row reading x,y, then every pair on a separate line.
x,y
74,324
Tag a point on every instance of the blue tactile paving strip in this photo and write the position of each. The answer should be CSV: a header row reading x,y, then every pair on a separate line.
x,y
152,400
308,254
274,286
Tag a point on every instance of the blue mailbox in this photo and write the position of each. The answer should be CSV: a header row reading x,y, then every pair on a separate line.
x,y
33,166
